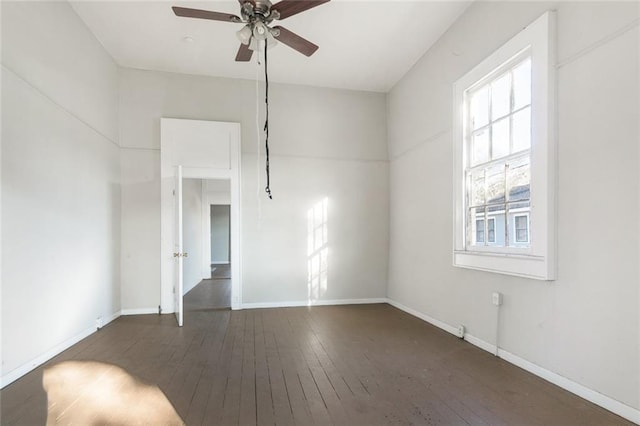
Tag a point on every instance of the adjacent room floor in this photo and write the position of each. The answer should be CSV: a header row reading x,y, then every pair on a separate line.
x,y
343,365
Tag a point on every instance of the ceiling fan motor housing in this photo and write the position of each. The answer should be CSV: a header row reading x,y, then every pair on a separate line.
x,y
260,10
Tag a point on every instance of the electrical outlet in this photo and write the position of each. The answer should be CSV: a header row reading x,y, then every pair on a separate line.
x,y
460,331
496,298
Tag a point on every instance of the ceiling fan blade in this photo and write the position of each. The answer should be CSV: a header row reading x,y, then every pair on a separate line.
x,y
205,14
244,53
288,8
294,41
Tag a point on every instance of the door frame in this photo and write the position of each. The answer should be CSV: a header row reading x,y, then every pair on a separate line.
x,y
196,171
178,248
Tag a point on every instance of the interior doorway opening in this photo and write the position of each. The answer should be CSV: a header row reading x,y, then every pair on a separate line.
x,y
195,149
220,240
207,238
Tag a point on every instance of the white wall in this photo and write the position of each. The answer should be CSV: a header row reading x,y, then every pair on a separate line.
x,y
324,142
192,232
60,183
585,326
140,221
220,227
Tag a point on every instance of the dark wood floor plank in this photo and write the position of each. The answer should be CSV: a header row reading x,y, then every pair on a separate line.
x,y
282,411
264,401
299,407
343,365
231,395
248,410
215,405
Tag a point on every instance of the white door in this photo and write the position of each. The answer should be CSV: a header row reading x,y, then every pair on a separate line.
x,y
178,255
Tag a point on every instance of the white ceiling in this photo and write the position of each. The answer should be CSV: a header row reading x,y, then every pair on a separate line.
x,y
364,44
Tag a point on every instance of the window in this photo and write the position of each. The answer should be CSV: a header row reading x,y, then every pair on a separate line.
x,y
498,115
521,228
505,158
480,230
491,230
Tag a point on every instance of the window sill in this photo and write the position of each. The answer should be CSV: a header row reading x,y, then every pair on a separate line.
x,y
527,266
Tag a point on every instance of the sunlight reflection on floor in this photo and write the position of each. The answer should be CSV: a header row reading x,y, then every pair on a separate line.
x,y
91,393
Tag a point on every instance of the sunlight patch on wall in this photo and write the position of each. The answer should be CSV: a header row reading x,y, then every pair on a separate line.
x,y
317,250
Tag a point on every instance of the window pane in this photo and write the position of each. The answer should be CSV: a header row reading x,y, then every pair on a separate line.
x,y
491,230
519,180
501,96
522,130
480,231
475,225
480,147
522,229
522,84
500,139
521,235
495,227
495,184
477,189
480,108
518,226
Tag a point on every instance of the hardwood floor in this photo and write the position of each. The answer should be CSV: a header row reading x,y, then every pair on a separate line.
x,y
343,365
209,294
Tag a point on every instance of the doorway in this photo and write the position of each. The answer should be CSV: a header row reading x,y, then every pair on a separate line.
x,y
220,240
207,239
194,149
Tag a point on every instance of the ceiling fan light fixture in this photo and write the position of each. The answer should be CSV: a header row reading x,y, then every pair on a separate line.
x,y
260,30
271,42
256,44
245,34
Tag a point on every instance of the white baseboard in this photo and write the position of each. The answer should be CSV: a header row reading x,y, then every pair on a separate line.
x,y
17,373
140,311
582,391
112,317
293,304
489,347
617,407
427,318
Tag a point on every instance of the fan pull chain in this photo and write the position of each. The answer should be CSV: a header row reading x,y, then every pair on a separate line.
x,y
266,121
258,186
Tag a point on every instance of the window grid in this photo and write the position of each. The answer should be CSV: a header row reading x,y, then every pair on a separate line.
x,y
506,160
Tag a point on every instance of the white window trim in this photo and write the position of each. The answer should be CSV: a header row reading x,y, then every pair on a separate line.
x,y
538,261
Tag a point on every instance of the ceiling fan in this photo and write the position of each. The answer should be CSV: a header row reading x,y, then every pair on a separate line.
x,y
257,15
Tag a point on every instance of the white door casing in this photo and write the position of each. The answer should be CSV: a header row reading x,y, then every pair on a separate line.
x,y
205,150
178,254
